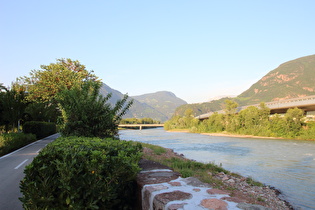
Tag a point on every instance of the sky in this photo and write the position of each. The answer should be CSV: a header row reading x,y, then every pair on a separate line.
x,y
197,49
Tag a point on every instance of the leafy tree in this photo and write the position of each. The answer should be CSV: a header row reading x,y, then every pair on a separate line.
x,y
41,111
86,113
249,120
278,125
215,123
293,119
44,84
230,107
12,107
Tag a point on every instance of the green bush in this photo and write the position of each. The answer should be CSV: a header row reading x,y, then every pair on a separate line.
x,y
82,173
12,141
40,129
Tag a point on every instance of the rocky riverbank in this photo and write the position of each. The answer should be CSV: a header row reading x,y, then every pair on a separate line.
x,y
242,189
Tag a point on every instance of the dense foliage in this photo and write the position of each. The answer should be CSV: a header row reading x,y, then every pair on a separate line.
x,y
63,92
44,84
145,120
86,113
12,141
40,129
82,173
12,108
250,121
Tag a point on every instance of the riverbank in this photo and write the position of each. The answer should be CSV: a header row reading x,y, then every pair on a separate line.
x,y
226,134
240,135
242,189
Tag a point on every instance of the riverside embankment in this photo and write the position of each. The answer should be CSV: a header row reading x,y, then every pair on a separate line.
x,y
288,165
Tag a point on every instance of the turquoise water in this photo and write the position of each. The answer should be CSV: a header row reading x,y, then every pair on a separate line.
x,y
288,165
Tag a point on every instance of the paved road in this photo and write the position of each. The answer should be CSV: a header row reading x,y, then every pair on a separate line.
x,y
11,172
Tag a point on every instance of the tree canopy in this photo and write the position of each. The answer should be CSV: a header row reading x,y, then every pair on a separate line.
x,y
45,83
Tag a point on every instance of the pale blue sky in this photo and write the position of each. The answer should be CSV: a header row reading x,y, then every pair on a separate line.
x,y
197,49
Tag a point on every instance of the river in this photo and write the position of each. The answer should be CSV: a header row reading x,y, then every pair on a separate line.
x,y
288,165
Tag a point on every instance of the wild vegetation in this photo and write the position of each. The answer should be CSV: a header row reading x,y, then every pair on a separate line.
x,y
89,167
144,120
82,173
250,121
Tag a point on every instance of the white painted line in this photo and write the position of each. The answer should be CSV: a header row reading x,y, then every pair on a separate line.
x,y
21,164
38,150
20,149
27,146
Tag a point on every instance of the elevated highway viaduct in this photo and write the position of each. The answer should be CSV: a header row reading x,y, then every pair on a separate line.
x,y
306,103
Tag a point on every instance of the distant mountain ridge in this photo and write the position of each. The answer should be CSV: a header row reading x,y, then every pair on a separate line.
x,y
292,79
159,106
163,101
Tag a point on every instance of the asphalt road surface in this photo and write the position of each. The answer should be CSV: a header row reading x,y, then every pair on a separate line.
x,y
11,172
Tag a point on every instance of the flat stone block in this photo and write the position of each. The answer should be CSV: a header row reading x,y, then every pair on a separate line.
x,y
215,204
175,183
176,206
217,191
160,200
147,192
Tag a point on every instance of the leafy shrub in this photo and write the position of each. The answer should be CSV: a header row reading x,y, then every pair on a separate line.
x,y
12,141
40,129
82,173
87,113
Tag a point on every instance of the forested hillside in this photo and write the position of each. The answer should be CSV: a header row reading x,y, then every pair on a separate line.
x,y
291,79
159,106
163,101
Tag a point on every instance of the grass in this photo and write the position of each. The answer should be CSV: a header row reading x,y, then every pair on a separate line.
x,y
156,149
187,168
252,182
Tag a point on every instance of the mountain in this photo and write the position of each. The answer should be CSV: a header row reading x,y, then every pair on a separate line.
x,y
292,79
159,106
163,101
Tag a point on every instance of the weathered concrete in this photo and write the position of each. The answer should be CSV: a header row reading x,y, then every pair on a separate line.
x,y
163,188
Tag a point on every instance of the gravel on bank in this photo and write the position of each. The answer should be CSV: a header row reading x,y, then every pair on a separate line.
x,y
237,185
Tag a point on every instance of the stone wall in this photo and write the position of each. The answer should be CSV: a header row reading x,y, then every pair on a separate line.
x,y
161,188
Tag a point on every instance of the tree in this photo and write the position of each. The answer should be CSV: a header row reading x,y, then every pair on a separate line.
x,y
86,113
293,119
12,107
250,120
44,84
42,111
230,107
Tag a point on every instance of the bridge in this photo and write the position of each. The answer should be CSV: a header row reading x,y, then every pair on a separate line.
x,y
140,126
306,103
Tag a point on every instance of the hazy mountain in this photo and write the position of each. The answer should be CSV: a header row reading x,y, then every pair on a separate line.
x,y
163,101
158,106
291,79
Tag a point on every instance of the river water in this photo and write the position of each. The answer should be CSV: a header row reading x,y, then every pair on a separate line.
x,y
288,165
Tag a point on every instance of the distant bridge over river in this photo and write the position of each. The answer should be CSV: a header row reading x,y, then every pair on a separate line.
x,y
306,103
140,126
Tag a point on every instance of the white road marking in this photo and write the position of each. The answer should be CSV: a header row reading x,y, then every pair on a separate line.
x,y
21,164
20,149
